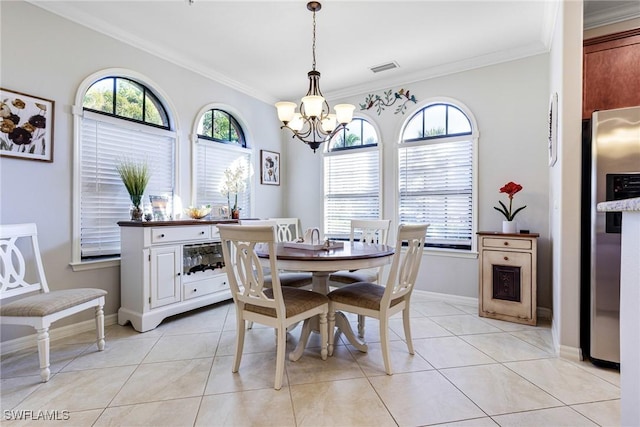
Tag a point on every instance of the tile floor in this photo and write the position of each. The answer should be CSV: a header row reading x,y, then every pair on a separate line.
x,y
467,371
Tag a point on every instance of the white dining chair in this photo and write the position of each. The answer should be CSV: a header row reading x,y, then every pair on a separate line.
x,y
275,306
294,279
375,231
21,273
382,302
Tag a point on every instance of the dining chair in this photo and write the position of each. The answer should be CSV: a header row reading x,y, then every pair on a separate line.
x,y
382,302
22,272
369,231
294,279
275,306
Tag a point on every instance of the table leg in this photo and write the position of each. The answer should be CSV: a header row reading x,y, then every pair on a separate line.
x,y
345,327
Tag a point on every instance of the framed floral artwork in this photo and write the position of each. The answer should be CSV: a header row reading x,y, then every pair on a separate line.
x,y
269,167
26,126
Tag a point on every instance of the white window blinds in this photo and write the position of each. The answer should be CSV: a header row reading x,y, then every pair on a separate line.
x,y
212,159
351,189
103,198
435,182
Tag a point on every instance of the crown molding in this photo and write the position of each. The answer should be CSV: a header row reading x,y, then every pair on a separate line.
x,y
67,12
442,70
611,15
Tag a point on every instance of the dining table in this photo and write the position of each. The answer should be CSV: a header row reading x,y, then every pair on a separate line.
x,y
321,263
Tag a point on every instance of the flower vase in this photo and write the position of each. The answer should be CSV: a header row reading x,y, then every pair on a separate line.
x,y
509,227
136,213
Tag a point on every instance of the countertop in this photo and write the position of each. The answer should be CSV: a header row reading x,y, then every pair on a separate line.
x,y
620,205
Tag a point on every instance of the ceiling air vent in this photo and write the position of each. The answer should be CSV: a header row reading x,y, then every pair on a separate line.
x,y
384,67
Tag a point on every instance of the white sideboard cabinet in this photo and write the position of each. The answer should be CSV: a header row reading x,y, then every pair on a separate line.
x,y
508,284
167,268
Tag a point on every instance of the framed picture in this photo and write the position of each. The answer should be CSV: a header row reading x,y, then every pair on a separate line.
x,y
269,167
161,207
553,129
26,126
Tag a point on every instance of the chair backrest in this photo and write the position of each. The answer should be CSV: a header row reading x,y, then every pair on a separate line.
x,y
288,229
20,257
244,271
406,262
370,230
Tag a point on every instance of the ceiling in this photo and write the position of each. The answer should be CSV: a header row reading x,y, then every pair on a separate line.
x,y
263,47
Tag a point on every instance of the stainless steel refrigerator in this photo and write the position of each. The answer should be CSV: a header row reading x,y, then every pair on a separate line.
x,y
612,173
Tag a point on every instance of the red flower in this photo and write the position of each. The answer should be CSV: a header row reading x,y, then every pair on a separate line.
x,y
511,188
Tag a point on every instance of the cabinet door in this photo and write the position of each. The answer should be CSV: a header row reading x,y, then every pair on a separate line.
x,y
506,284
165,275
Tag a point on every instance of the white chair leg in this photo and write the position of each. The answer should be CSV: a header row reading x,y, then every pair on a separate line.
x,y
239,343
332,328
406,321
100,327
323,335
384,343
43,353
280,351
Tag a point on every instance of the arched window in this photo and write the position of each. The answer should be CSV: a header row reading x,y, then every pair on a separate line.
x,y
351,178
436,179
221,145
121,119
218,125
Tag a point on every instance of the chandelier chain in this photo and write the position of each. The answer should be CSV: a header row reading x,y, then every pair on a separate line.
x,y
313,45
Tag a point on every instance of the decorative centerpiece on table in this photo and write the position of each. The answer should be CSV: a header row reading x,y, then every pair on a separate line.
x,y
135,176
509,225
235,182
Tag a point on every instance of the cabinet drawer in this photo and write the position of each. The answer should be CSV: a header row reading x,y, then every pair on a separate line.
x,y
205,287
506,243
179,234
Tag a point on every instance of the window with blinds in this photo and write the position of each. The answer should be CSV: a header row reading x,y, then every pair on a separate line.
x,y
104,201
435,175
351,179
212,159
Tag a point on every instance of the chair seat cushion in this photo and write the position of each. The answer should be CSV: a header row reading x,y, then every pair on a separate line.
x,y
48,303
349,277
295,280
296,301
363,294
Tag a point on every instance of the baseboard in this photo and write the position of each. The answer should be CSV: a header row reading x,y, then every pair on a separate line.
x,y
448,298
542,312
29,341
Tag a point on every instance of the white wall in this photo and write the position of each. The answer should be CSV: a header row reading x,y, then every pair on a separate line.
x,y
50,58
510,103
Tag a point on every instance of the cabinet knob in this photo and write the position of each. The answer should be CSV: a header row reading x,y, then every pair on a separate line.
x,y
195,289
179,274
506,258
202,232
506,243
162,235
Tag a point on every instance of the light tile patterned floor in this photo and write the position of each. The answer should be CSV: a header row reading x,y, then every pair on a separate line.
x,y
467,371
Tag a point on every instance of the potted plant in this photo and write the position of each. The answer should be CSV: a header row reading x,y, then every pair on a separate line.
x,y
235,181
135,177
511,188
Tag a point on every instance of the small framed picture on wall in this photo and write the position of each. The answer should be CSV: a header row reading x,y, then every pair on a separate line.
x,y
269,167
27,126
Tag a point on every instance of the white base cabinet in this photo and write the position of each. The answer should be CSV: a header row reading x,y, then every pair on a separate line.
x,y
168,268
508,264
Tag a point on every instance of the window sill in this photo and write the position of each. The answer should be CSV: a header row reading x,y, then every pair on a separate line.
x,y
94,265
451,253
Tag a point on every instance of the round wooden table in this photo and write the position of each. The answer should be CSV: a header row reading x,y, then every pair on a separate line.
x,y
323,262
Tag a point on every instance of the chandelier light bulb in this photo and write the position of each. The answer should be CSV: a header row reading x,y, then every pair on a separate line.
x,y
285,111
344,113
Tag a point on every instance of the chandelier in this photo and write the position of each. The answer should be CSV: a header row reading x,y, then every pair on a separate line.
x,y
314,124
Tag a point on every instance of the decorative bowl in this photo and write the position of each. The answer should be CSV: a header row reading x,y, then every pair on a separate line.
x,y
197,213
